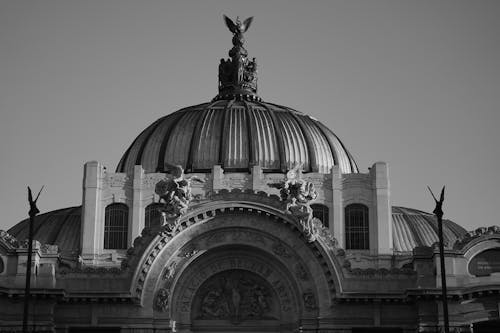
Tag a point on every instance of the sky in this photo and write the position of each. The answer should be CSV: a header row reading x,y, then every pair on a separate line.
x,y
413,83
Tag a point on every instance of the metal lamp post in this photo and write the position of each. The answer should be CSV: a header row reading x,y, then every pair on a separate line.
x,y
32,213
438,211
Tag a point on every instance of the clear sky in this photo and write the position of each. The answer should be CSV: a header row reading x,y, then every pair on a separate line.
x,y
412,83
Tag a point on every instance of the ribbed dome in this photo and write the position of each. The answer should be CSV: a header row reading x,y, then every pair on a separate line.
x,y
237,134
412,228
59,227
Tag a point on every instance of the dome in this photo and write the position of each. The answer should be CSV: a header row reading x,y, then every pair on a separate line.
x,y
412,228
237,131
59,227
237,134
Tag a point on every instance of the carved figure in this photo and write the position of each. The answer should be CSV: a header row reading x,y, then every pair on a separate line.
x,y
235,297
298,193
175,193
238,75
309,301
162,299
238,27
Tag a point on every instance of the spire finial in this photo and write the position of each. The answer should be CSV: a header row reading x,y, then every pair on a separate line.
x,y
238,75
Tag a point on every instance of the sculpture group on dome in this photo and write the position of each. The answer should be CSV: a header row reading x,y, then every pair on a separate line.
x,y
238,75
298,194
175,195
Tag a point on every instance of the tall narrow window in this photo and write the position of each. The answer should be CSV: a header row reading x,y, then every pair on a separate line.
x,y
152,215
356,227
116,226
321,212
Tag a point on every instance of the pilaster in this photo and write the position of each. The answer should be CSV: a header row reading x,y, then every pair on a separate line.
x,y
337,216
136,219
383,215
91,211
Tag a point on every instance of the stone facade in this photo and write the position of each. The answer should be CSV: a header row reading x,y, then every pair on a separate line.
x,y
239,261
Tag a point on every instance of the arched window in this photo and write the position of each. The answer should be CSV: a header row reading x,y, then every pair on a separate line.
x,y
152,215
321,212
116,226
356,227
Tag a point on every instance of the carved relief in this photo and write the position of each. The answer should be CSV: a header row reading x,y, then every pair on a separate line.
x,y
170,271
49,249
117,180
161,302
280,250
235,295
188,251
236,181
150,180
309,301
8,238
483,231
301,272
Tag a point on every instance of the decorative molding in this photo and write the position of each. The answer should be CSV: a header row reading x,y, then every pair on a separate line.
x,y
475,234
9,239
117,180
151,179
136,253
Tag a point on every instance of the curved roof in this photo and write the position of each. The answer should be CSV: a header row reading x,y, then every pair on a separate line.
x,y
237,134
411,228
60,227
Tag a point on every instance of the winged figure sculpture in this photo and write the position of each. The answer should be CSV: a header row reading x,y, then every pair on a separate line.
x,y
238,27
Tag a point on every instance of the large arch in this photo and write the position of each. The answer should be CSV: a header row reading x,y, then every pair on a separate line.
x,y
227,233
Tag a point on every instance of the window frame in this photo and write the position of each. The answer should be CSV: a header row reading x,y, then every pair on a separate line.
x,y
116,222
357,227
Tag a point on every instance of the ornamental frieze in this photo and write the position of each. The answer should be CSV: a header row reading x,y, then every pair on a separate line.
x,y
117,180
474,234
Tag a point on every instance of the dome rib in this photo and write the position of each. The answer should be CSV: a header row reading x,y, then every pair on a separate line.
x,y
237,134
195,138
278,138
250,142
60,227
312,158
146,142
166,139
414,228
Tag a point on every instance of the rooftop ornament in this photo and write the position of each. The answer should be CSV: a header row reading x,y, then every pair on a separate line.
x,y
175,194
238,75
297,194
